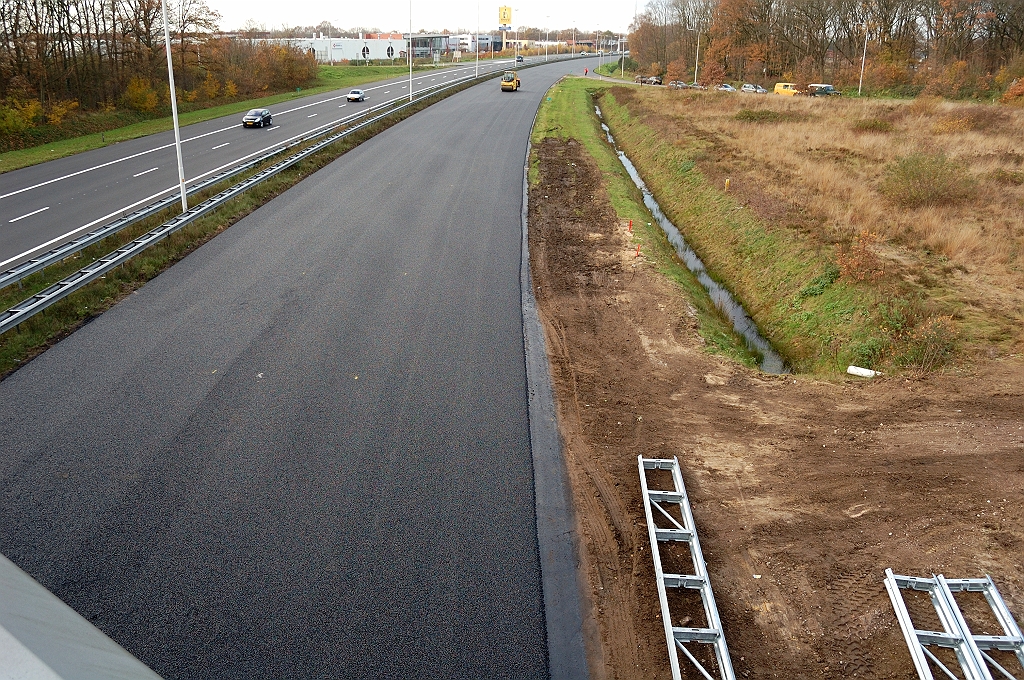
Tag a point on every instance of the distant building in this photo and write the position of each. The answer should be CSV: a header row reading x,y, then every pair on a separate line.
x,y
331,50
390,46
467,42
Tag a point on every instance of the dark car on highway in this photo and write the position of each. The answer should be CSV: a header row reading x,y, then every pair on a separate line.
x,y
519,59
256,118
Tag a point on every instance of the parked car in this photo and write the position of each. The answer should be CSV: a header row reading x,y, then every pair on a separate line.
x,y
696,86
787,89
753,89
356,96
677,84
822,90
725,87
256,118
653,80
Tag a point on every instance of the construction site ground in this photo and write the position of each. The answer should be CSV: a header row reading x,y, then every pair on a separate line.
x,y
804,490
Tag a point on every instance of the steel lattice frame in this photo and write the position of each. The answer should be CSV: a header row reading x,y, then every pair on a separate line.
x,y
686,532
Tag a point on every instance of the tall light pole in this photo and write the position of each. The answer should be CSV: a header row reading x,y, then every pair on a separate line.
x,y
174,109
478,39
863,59
547,34
410,50
696,60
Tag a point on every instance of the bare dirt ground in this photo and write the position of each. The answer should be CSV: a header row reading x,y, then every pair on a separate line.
x,y
804,491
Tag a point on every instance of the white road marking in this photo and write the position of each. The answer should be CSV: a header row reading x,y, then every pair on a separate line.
x,y
219,146
158,194
145,172
343,106
34,212
113,162
149,151
312,115
387,91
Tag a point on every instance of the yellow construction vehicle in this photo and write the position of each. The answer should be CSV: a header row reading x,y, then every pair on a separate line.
x,y
509,81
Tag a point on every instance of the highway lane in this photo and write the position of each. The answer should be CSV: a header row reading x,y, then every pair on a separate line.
x,y
303,451
47,204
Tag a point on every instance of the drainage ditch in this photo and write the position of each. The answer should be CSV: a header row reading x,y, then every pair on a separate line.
x,y
771,361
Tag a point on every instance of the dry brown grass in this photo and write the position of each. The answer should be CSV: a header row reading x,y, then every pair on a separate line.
x,y
829,160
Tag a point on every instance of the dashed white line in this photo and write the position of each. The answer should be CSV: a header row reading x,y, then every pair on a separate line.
x,y
34,212
219,146
387,91
312,115
145,172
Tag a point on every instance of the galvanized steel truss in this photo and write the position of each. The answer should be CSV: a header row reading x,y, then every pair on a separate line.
x,y
663,526
970,650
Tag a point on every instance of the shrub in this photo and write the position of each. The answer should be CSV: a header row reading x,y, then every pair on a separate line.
x,y
899,318
859,262
951,125
711,73
210,86
869,352
758,116
230,89
1015,93
140,96
922,179
13,120
930,344
59,111
1002,176
872,125
821,282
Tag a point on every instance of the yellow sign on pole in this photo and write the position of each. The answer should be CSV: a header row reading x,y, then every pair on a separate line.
x,y
505,16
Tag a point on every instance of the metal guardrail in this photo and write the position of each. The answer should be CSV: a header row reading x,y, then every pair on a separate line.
x,y
58,291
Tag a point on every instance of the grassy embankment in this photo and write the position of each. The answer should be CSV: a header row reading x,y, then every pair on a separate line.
x,y
47,327
568,112
329,78
879,233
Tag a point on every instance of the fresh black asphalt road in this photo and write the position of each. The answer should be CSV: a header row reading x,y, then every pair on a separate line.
x,y
303,451
45,205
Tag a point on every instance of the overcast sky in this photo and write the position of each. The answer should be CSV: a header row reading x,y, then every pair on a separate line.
x,y
431,15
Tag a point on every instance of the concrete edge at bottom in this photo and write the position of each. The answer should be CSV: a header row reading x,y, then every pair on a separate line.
x,y
41,638
556,532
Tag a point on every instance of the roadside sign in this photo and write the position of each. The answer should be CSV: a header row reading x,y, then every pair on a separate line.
x,y
505,16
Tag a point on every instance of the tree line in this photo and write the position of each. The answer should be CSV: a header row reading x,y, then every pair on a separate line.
x,y
59,56
953,48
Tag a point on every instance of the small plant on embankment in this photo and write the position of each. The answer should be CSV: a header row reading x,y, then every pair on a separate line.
x,y
839,208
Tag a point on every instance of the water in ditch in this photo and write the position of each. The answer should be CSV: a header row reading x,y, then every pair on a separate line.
x,y
771,361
